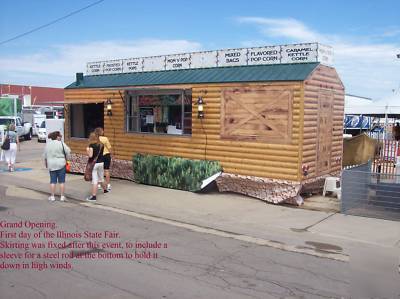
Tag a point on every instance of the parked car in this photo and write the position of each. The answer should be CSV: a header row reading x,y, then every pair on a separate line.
x,y
34,117
23,129
42,132
37,121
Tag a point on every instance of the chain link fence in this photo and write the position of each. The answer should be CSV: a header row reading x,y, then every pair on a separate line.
x,y
370,194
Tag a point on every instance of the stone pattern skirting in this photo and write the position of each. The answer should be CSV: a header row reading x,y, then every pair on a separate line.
x,y
121,169
270,190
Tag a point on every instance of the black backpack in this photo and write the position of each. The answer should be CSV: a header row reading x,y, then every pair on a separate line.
x,y
6,144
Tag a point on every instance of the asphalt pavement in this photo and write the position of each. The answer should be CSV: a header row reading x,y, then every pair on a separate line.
x,y
188,265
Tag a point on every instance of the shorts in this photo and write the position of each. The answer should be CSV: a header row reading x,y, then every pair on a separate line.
x,y
107,161
98,173
57,175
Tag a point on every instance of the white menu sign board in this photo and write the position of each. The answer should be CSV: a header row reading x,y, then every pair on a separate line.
x,y
203,59
264,55
177,62
94,68
132,65
299,53
154,63
232,57
112,67
325,55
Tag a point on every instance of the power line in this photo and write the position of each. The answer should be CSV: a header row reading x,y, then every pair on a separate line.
x,y
50,23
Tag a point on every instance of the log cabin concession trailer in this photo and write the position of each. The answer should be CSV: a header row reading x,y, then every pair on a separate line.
x,y
272,117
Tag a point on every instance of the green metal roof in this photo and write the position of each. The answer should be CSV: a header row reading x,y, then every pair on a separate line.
x,y
256,73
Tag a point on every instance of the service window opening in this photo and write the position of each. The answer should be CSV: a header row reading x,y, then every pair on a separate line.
x,y
84,118
159,111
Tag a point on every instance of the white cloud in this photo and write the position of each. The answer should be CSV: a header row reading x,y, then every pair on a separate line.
x,y
63,61
391,33
367,69
289,28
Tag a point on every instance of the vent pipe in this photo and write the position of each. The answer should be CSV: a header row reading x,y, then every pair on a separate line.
x,y
79,78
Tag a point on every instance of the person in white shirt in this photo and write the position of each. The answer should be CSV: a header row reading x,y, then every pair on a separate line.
x,y
11,154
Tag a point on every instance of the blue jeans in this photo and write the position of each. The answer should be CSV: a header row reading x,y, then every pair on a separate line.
x,y
57,175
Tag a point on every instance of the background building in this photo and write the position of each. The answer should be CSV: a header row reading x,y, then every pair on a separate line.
x,y
34,95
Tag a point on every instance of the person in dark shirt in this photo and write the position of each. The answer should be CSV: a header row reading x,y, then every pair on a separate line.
x,y
396,132
106,155
95,151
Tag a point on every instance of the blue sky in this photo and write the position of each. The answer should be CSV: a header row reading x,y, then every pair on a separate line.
x,y
365,35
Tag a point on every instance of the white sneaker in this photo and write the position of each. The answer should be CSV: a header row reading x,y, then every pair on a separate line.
x,y
52,198
99,187
62,198
108,187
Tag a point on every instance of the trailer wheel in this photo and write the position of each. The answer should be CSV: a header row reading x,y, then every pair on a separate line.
x,y
29,135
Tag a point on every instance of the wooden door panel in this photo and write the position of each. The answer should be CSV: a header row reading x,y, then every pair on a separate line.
x,y
257,114
325,131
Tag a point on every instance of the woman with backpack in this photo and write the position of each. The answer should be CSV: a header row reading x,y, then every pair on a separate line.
x,y
10,146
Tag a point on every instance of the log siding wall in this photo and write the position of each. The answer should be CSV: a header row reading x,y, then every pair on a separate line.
x,y
280,161
323,79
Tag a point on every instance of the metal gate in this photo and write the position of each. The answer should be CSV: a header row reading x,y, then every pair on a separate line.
x,y
370,194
